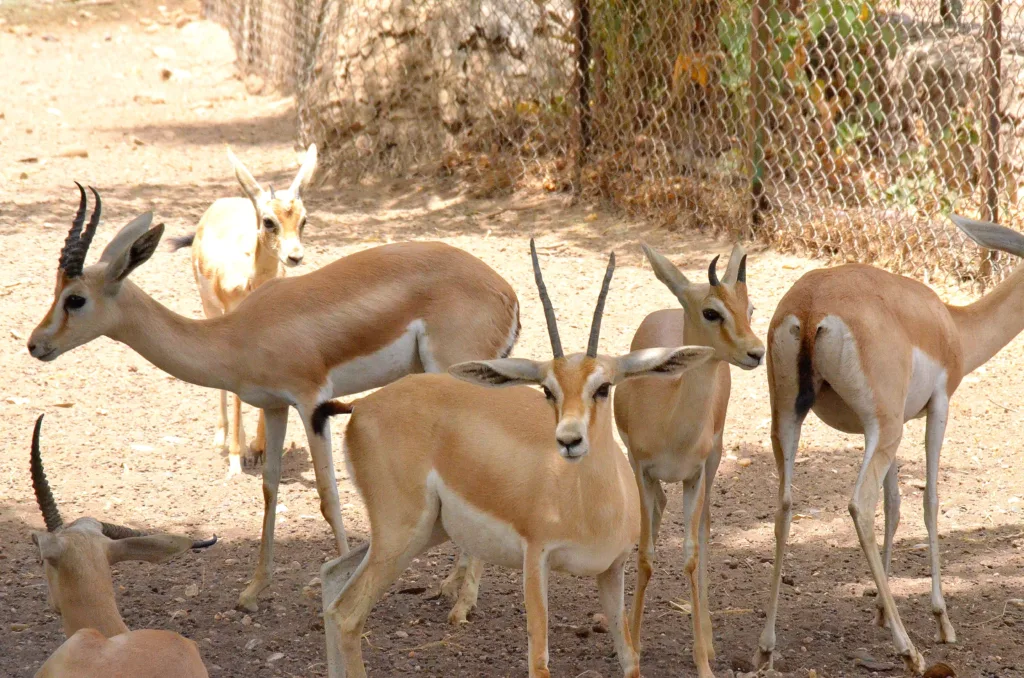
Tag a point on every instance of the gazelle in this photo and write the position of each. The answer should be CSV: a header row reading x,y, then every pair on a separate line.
x,y
355,324
240,244
510,478
77,559
673,428
866,351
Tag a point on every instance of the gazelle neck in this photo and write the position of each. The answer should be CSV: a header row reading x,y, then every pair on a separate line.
x,y
990,323
201,352
266,265
92,607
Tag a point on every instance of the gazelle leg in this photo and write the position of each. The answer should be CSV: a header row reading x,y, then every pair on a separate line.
x,y
326,483
535,581
881,441
785,441
258,447
891,495
935,431
453,582
467,594
277,425
610,589
389,554
693,508
220,436
710,471
236,434
651,506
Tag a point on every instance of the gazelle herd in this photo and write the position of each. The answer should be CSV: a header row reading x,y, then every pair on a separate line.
x,y
458,443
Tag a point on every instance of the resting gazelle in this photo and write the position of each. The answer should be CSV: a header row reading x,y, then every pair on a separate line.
x,y
510,478
240,244
77,559
355,324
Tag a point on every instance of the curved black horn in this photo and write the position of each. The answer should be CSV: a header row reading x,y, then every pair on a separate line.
x,y
741,274
205,543
549,311
712,273
595,327
44,497
78,250
119,531
76,231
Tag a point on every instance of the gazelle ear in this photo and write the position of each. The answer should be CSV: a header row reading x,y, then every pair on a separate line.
x,y
667,273
305,174
991,236
651,362
245,178
501,372
152,548
733,267
133,257
50,546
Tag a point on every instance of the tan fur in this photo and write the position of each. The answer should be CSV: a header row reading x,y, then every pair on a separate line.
x,y
278,347
673,429
233,253
511,479
148,653
880,349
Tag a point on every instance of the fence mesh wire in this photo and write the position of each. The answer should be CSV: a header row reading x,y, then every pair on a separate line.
x,y
838,128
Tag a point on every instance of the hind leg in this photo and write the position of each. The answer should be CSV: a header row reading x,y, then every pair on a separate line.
x,y
610,588
891,490
467,593
935,430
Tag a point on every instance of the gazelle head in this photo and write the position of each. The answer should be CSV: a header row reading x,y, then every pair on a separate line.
x,y
717,313
578,385
280,215
85,304
77,557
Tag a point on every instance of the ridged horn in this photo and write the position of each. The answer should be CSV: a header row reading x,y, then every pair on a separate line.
x,y
44,497
75,232
80,248
112,531
713,273
549,311
595,327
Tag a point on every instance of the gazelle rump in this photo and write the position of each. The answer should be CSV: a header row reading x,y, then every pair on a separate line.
x,y
77,559
673,428
240,244
512,476
355,324
866,351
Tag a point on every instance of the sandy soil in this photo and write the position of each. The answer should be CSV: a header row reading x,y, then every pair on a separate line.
x,y
125,442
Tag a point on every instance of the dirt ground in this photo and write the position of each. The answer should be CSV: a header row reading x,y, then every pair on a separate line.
x,y
124,442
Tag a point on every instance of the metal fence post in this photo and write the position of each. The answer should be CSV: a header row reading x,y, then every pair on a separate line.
x,y
991,95
760,36
581,86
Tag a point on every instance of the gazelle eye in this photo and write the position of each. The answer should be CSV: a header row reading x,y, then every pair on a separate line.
x,y
602,391
547,393
711,315
74,302
269,225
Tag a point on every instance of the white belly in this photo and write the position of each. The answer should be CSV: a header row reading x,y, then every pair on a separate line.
x,y
927,378
476,531
397,359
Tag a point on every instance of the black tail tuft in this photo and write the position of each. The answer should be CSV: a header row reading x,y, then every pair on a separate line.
x,y
325,410
181,241
805,394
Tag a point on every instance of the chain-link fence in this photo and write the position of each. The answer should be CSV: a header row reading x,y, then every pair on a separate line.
x,y
838,128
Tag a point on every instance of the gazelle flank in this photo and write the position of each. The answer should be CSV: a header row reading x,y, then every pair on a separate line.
x,y
240,244
77,559
514,477
673,428
866,351
355,324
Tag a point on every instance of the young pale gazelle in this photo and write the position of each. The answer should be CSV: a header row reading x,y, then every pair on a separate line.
x,y
510,478
77,560
240,244
355,324
672,428
866,351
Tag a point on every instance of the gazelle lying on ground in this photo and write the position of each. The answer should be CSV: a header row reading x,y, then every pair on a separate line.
x,y
673,427
510,478
867,350
77,560
355,324
240,244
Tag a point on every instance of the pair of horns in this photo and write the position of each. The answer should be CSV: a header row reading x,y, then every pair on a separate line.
x,y
76,245
549,311
48,506
741,272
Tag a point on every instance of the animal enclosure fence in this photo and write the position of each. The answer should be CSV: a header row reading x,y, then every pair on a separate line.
x,y
838,128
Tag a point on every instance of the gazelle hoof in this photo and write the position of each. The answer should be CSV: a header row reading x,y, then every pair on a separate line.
x,y
253,459
764,659
247,605
914,661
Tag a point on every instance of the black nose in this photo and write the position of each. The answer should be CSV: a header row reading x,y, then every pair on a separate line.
x,y
756,354
571,443
294,259
31,347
